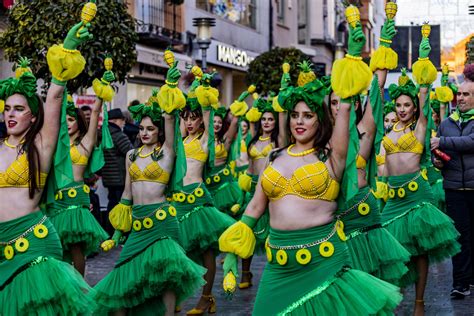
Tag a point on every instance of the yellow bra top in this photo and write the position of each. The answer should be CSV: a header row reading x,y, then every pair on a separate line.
x,y
256,154
152,173
311,181
17,175
194,150
407,143
243,146
361,163
77,158
380,160
220,151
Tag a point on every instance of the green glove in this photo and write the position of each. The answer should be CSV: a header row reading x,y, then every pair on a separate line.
x,y
444,80
425,48
249,221
108,76
173,74
230,264
388,32
72,41
356,41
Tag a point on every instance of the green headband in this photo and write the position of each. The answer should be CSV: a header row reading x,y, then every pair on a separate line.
x,y
388,107
221,112
71,107
435,105
312,93
263,105
405,87
24,85
150,109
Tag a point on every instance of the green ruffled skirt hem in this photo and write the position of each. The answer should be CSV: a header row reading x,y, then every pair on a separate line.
x,y
77,225
46,287
377,252
227,196
138,284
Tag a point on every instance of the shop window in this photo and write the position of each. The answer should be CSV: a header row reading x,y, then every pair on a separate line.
x,y
237,11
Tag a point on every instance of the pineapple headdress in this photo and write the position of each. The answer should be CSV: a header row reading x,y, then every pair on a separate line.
x,y
435,103
24,83
405,87
388,107
221,112
150,109
71,107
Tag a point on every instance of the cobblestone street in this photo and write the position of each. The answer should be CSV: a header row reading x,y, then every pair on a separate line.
x,y
437,298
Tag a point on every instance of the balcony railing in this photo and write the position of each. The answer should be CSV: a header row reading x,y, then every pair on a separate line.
x,y
158,22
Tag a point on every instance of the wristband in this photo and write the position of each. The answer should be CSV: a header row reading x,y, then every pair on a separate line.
x,y
126,202
385,40
58,82
171,84
249,221
353,57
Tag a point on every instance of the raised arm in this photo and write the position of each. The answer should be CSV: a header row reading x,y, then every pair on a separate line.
x,y
169,132
89,140
231,133
340,139
52,111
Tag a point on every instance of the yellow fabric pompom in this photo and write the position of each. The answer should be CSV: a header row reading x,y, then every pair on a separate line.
x,y
253,115
64,64
103,91
208,96
424,72
121,217
276,106
350,77
238,239
171,98
238,108
444,94
382,190
384,58
245,182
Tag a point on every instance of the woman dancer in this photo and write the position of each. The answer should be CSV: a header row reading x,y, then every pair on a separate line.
x,y
306,273
152,274
200,223
242,163
78,230
270,133
410,214
33,279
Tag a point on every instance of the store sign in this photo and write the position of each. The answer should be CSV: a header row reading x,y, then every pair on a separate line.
x,y
233,56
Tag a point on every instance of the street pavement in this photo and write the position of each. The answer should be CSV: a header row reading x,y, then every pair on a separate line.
x,y
437,301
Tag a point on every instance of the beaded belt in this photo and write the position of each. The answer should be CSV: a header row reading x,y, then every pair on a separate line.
x,y
411,184
303,255
147,220
72,191
362,207
216,178
21,244
189,197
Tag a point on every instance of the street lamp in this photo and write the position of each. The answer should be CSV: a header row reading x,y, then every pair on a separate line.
x,y
204,36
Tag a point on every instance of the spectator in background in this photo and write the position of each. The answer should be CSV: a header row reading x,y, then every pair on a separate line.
x,y
456,138
86,111
113,172
130,129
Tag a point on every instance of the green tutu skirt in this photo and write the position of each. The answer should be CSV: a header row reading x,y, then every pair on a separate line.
x,y
372,248
200,223
73,220
262,227
411,217
308,274
225,191
151,262
33,279
436,181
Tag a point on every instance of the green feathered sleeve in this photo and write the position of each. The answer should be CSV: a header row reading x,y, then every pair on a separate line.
x,y
350,185
376,102
180,167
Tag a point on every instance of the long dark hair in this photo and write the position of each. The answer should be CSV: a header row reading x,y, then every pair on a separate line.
x,y
82,125
273,135
225,126
321,138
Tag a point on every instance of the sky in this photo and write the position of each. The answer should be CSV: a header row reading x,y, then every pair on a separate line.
x,y
452,15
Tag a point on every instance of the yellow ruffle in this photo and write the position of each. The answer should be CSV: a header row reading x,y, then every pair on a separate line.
x,y
350,77
238,108
64,65
238,239
253,115
424,72
171,98
208,96
276,106
245,182
384,58
121,217
103,91
444,94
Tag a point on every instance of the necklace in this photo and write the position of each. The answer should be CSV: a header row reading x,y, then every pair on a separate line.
x,y
263,139
401,129
184,141
301,154
149,154
12,146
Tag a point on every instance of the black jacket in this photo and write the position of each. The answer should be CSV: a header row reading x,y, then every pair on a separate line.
x,y
457,140
113,172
